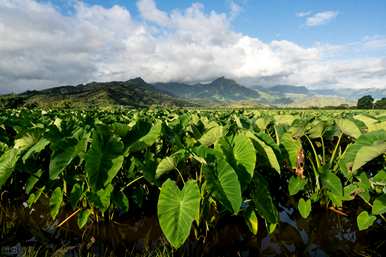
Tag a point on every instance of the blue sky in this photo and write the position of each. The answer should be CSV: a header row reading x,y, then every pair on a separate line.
x,y
276,19
313,43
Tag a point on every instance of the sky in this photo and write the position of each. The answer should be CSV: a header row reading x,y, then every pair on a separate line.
x,y
312,43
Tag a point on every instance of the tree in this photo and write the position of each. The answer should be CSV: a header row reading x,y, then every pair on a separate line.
x,y
365,102
380,104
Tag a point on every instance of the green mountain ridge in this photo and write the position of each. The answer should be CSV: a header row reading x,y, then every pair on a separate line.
x,y
138,93
220,89
283,89
132,93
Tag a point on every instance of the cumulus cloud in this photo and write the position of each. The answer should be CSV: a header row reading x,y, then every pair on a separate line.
x,y
41,47
149,11
320,18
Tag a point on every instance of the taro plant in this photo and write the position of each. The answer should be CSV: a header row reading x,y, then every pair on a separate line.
x,y
191,168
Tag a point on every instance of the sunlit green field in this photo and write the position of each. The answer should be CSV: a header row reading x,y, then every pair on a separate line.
x,y
190,170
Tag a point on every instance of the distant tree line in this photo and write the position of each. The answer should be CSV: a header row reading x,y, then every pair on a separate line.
x,y
367,102
11,101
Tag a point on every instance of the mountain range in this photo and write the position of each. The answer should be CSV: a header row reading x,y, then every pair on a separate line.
x,y
221,91
132,93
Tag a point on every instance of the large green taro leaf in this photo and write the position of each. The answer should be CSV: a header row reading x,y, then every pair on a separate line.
x,y
262,123
377,126
266,150
333,185
367,120
37,148
285,119
166,164
211,136
153,134
331,182
169,163
366,148
241,155
26,141
317,129
263,201
177,209
245,155
7,164
65,151
62,157
348,127
148,139
223,183
104,159
291,148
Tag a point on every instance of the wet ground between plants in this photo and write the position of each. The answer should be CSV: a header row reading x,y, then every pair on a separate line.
x,y
324,233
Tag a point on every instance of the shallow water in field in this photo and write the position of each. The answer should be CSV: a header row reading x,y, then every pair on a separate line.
x,y
324,233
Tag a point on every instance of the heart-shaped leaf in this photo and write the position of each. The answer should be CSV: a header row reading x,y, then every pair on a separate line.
x,y
177,209
364,220
348,127
304,207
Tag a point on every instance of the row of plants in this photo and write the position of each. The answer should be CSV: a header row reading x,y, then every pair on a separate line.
x,y
192,167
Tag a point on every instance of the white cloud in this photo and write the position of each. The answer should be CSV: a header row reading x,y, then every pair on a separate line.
x,y
374,42
235,9
41,47
303,14
368,46
149,11
321,18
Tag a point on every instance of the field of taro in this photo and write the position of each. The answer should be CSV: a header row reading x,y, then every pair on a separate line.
x,y
196,182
